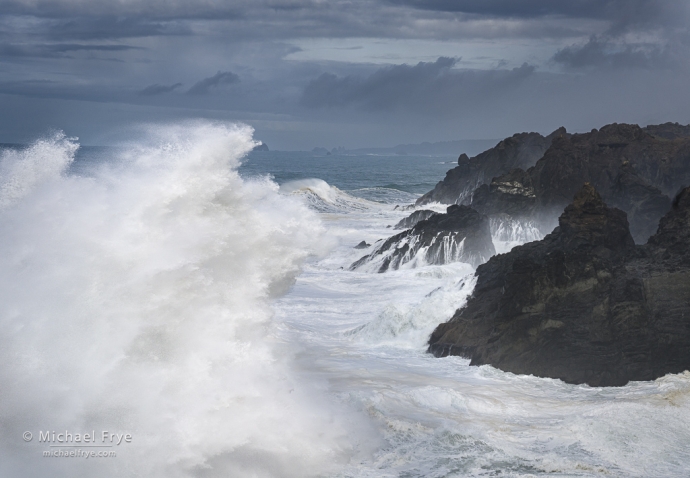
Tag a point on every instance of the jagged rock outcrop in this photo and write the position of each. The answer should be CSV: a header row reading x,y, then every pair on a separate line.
x,y
414,218
519,151
585,304
668,130
632,169
511,194
459,235
362,245
599,158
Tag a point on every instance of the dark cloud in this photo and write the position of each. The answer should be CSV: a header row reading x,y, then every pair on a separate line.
x,y
58,90
156,89
435,88
604,52
54,52
624,10
220,78
621,16
110,27
523,8
58,49
100,19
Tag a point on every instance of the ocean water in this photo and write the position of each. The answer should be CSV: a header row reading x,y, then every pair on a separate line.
x,y
199,299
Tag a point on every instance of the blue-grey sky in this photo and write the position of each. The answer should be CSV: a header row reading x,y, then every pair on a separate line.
x,y
351,73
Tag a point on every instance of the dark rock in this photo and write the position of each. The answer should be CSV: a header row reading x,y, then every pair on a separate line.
x,y
585,304
261,147
460,235
519,151
511,194
414,218
668,130
631,169
362,245
670,245
644,203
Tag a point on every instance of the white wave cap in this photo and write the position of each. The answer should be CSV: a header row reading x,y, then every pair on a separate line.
x,y
322,197
23,170
137,301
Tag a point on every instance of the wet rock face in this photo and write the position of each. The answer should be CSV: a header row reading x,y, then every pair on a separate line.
x,y
519,151
585,304
459,235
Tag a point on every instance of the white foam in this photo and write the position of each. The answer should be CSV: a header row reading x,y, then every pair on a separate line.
x,y
410,325
322,197
440,417
24,170
137,301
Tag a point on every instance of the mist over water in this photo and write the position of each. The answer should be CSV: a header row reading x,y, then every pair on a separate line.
x,y
156,291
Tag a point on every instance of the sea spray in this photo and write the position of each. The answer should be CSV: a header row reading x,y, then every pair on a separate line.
x,y
136,300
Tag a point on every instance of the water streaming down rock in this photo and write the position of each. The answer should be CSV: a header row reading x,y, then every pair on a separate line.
x,y
507,229
460,235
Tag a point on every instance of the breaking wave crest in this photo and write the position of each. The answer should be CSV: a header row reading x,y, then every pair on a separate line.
x,y
137,301
322,197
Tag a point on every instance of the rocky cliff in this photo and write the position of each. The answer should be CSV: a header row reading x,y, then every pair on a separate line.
x,y
634,169
519,151
459,235
668,130
585,304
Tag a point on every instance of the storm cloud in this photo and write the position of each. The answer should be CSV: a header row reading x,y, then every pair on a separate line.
x,y
349,72
601,52
427,87
157,89
52,50
221,78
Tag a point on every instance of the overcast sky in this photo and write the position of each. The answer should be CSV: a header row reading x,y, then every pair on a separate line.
x,y
351,73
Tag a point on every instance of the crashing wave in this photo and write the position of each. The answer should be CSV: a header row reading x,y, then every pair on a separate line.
x,y
322,197
154,319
